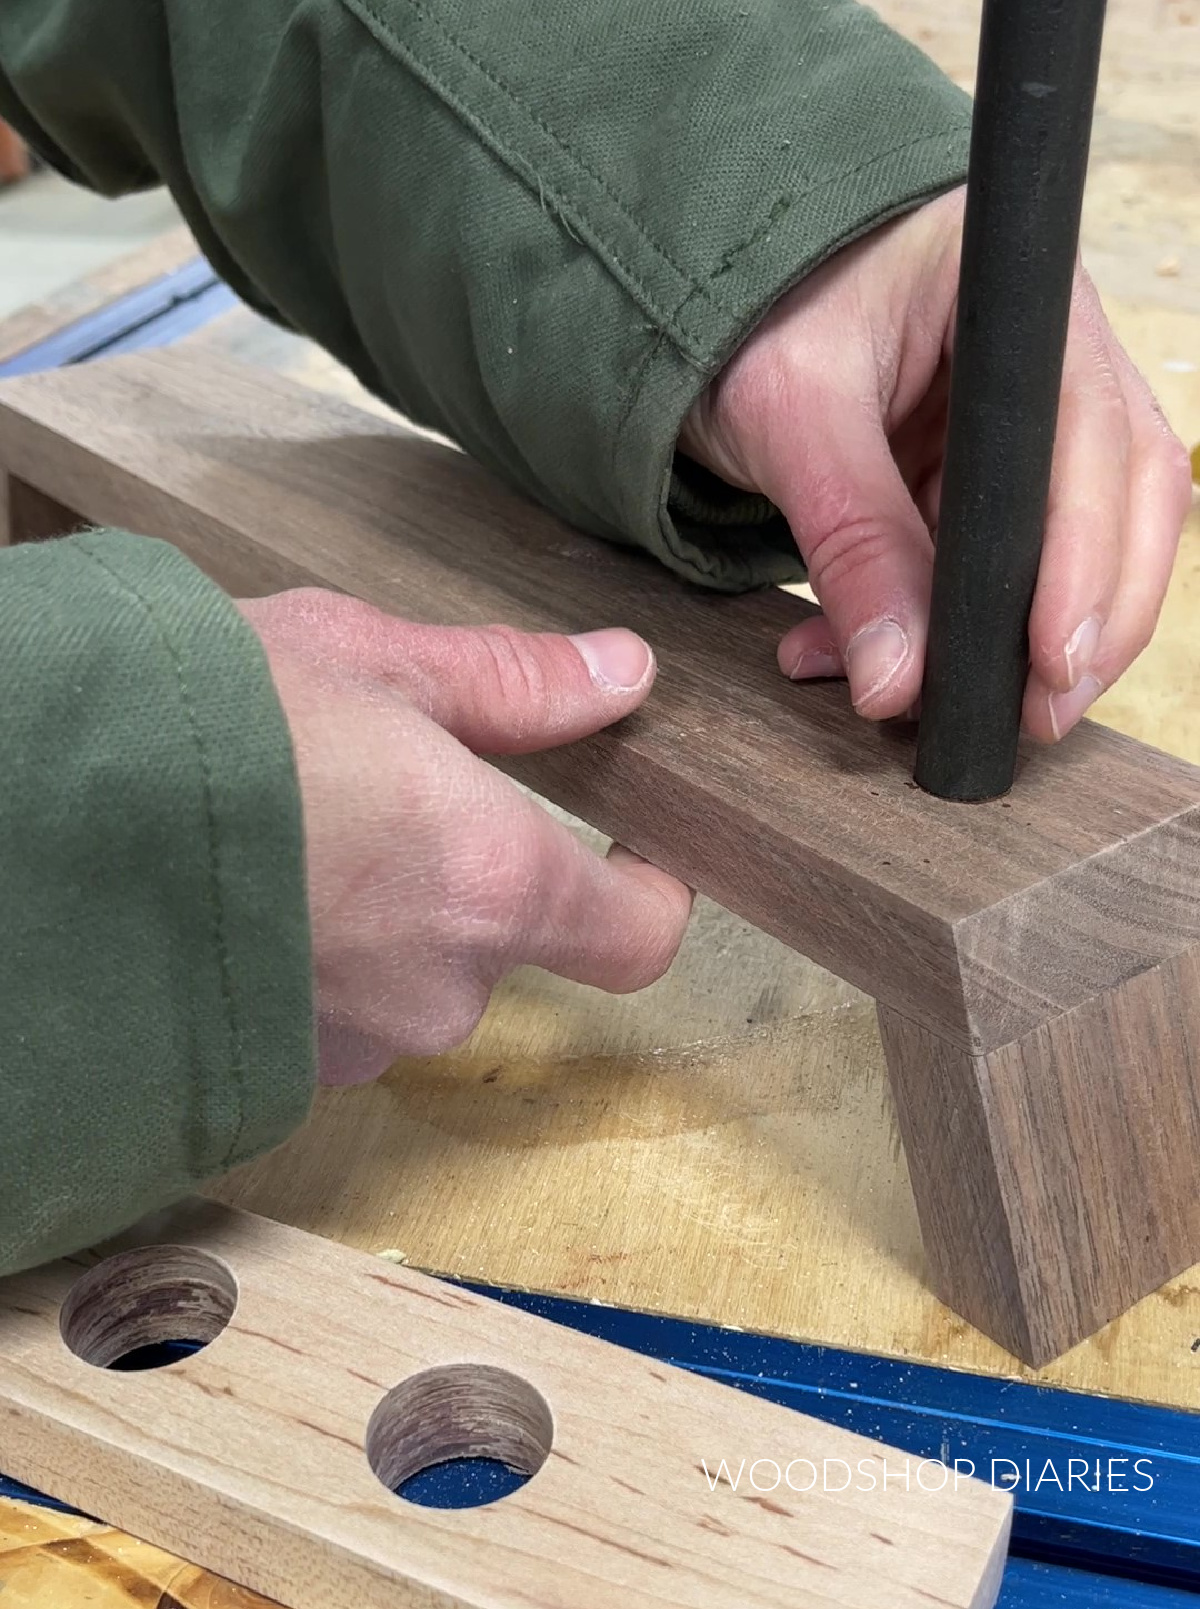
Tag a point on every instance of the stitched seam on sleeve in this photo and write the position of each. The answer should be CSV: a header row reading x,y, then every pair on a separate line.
x,y
671,321
216,906
729,260
731,257
634,392
641,373
570,210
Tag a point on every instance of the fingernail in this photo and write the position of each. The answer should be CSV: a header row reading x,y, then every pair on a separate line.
x,y
873,657
1081,648
1066,708
619,661
813,662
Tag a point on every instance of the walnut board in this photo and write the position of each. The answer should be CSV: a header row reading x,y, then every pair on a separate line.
x,y
272,1454
266,487
1052,1211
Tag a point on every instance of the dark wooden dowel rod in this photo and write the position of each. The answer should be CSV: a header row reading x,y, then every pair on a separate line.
x,y
1035,94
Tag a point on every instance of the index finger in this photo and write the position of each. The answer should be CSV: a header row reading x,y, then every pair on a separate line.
x,y
613,923
1085,517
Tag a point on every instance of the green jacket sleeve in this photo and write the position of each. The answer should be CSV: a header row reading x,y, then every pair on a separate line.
x,y
155,976
538,226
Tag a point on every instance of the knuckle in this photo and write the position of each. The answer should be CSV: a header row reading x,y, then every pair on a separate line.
x,y
844,550
297,616
1091,365
1110,409
1098,392
513,672
319,606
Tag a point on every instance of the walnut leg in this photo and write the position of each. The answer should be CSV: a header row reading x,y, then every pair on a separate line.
x,y
27,515
1056,1177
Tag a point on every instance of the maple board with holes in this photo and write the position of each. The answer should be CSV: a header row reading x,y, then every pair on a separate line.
x,y
271,1456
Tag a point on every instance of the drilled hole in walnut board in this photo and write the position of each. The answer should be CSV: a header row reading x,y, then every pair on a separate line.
x,y
459,1436
147,1308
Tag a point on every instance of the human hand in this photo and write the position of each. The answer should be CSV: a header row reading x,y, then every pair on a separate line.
x,y
835,408
430,875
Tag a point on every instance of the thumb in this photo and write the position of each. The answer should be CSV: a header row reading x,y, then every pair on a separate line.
x,y
868,551
501,691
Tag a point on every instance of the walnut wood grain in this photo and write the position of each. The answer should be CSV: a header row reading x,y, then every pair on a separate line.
x,y
260,1457
27,515
693,1205
806,819
974,926
1106,1097
755,1142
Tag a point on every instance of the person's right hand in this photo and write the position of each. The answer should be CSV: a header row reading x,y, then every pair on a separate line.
x,y
835,409
430,875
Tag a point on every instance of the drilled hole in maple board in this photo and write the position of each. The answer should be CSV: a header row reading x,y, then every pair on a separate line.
x,y
149,1307
432,1436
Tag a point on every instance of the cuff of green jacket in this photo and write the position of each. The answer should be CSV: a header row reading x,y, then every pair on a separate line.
x,y
704,529
237,899
651,233
159,1028
700,527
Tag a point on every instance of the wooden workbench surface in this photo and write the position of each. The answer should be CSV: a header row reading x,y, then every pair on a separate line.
x,y
723,1146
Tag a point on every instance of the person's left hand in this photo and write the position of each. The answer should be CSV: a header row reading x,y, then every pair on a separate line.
x,y
835,409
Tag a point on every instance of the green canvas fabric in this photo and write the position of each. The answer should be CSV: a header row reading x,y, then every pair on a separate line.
x,y
156,1022
537,226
